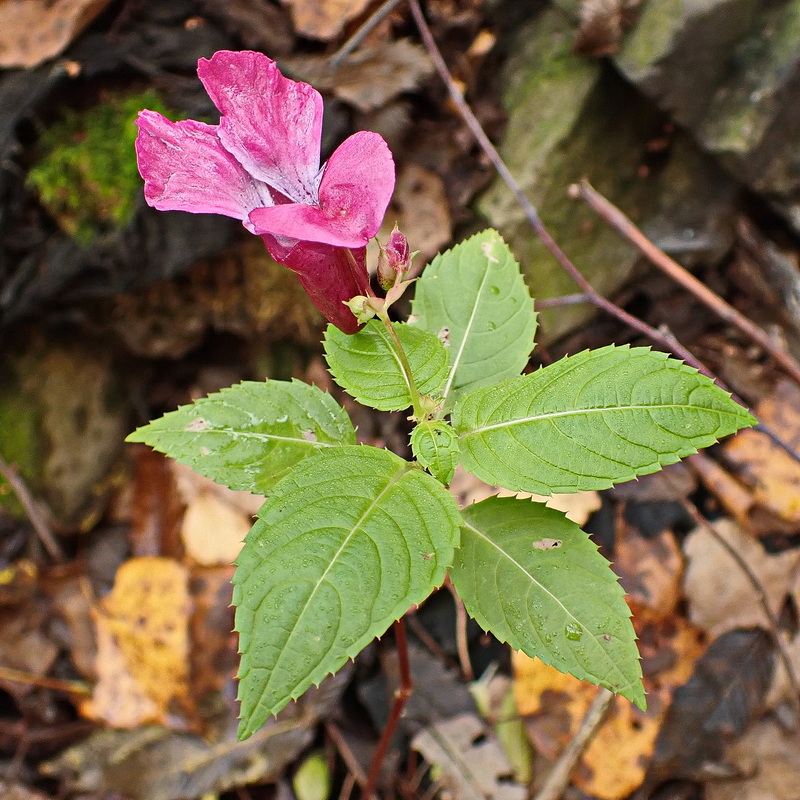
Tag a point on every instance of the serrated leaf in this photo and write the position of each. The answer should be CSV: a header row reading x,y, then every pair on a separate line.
x,y
435,445
367,367
592,420
476,292
249,435
535,580
347,542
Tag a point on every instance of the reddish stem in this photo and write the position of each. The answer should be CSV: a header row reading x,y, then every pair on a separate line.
x,y
401,695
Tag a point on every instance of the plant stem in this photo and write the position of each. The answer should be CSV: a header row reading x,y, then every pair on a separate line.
x,y
401,355
401,696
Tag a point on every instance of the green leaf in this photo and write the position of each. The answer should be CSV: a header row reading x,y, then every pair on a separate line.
x,y
435,446
346,544
477,294
592,420
366,365
250,435
535,580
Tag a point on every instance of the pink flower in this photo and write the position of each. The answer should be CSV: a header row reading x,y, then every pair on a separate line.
x,y
261,165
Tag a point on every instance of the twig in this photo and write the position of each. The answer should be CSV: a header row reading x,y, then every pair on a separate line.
x,y
762,598
358,37
71,687
559,776
12,477
610,214
347,754
401,695
564,300
462,644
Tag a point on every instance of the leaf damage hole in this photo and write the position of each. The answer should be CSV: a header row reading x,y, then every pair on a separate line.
x,y
444,336
197,425
547,544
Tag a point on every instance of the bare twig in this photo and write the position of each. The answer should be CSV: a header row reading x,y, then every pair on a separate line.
x,y
358,37
558,779
70,687
610,214
564,300
762,598
462,644
12,477
347,754
401,695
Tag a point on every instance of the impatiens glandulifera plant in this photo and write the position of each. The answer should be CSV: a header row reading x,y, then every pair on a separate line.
x,y
351,536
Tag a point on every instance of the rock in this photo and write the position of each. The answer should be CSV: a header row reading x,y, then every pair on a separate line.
x,y
729,71
62,422
570,118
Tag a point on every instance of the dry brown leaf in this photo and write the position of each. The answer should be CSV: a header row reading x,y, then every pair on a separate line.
x,y
775,474
719,593
649,569
324,19
216,519
420,202
33,31
143,645
768,758
369,78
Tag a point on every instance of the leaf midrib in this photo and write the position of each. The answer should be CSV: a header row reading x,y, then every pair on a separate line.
x,y
544,589
467,329
253,435
577,411
369,510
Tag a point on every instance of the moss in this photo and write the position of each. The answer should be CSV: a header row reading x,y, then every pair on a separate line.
x,y
86,176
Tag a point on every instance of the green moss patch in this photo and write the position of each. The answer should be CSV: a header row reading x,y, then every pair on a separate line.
x,y
86,176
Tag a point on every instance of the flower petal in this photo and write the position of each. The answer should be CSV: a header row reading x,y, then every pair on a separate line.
x,y
358,182
356,187
186,168
272,125
306,223
328,276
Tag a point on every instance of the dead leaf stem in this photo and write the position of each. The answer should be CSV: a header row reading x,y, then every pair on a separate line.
x,y
35,516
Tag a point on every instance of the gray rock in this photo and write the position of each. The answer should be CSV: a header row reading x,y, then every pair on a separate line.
x,y
570,117
729,71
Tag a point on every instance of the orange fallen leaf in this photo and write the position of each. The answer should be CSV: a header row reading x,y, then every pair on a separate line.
x,y
775,474
143,646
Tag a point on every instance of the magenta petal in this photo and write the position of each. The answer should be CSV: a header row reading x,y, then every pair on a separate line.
x,y
328,276
186,168
271,124
357,184
307,223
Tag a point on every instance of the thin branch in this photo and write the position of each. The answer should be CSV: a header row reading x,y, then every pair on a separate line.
x,y
35,516
559,776
70,687
752,578
564,300
612,216
462,644
358,37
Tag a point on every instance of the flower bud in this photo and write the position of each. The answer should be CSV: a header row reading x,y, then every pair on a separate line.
x,y
393,260
361,308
